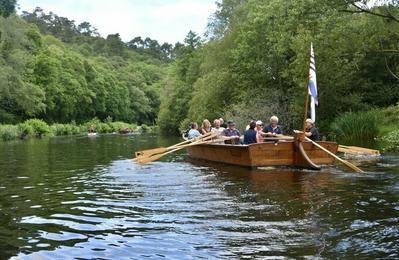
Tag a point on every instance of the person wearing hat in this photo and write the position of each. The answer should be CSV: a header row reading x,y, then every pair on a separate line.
x,y
273,128
231,131
311,130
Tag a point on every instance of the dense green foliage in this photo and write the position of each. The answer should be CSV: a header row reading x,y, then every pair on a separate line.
x,y
59,72
391,141
356,128
7,7
39,128
256,63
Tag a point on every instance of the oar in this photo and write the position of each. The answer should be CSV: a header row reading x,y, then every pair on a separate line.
x,y
145,160
153,151
279,137
350,165
357,150
150,152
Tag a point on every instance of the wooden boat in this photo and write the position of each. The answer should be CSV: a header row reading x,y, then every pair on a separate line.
x,y
287,153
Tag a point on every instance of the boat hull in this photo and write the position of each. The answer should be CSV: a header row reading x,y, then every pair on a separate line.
x,y
265,154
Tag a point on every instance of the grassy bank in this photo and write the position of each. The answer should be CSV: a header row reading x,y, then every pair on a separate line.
x,y
373,128
38,128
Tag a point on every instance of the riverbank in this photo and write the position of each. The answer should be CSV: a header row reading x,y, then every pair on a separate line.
x,y
38,128
373,128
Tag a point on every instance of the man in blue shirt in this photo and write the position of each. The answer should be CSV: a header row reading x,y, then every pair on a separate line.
x,y
231,131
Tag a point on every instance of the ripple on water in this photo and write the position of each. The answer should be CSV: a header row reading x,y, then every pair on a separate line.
x,y
180,210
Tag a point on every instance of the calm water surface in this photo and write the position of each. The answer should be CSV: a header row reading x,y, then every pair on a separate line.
x,y
84,198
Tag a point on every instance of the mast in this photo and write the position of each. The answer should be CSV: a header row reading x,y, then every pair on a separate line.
x,y
307,92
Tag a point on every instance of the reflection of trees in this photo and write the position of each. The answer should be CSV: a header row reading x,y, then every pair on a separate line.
x,y
39,176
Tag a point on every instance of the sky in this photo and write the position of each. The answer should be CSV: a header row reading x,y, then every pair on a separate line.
x,y
162,20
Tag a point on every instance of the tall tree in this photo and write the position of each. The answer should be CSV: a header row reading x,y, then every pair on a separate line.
x,y
7,7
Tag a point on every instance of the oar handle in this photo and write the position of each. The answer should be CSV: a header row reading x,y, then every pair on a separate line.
x,y
350,165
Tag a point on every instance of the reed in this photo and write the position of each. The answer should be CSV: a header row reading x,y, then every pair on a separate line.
x,y
356,128
9,132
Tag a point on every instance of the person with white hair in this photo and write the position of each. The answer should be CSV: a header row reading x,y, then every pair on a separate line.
x,y
311,130
217,127
259,132
273,128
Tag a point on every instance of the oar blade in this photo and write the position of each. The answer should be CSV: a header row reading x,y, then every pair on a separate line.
x,y
355,150
150,152
350,165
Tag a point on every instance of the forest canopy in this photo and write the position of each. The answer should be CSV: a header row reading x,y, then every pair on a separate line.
x,y
251,64
255,63
58,71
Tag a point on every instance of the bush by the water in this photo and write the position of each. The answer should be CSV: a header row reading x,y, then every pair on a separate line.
x,y
356,128
9,132
39,127
66,129
109,126
391,141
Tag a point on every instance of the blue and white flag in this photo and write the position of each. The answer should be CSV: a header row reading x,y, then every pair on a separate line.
x,y
312,85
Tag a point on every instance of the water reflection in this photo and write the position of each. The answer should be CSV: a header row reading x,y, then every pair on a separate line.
x,y
84,198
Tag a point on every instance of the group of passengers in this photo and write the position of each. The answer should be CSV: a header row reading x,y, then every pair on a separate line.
x,y
256,132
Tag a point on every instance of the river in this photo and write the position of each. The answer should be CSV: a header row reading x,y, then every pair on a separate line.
x,y
84,198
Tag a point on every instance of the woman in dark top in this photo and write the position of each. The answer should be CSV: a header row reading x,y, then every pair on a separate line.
x,y
311,130
250,134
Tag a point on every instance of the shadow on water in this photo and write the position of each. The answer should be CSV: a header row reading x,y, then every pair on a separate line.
x,y
79,197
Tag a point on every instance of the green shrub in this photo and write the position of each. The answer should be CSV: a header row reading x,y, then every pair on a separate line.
x,y
65,129
133,127
105,128
26,129
359,128
391,141
39,126
9,132
117,126
145,128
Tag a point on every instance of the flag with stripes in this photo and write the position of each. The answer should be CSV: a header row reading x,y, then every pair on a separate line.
x,y
312,85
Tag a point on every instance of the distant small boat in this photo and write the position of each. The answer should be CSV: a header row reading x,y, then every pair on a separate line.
x,y
124,130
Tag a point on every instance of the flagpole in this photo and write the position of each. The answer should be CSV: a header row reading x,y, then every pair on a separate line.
x,y
307,93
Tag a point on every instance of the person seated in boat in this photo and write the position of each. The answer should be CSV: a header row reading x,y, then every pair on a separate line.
x,y
193,131
251,134
92,129
205,127
231,131
311,130
273,128
259,131
222,124
217,127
